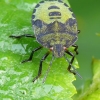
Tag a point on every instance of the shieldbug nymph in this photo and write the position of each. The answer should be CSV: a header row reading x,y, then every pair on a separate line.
x,y
55,27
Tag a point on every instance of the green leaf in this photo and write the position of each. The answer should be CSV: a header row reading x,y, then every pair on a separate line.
x,y
92,91
15,77
98,34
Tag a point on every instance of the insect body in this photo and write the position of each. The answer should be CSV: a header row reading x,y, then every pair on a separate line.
x,y
55,27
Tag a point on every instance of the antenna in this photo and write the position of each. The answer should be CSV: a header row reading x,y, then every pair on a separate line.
x,y
47,71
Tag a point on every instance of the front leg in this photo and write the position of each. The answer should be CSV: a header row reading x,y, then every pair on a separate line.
x,y
40,67
70,63
20,36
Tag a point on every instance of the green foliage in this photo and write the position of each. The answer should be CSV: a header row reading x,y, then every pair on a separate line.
x,y
91,91
16,78
98,34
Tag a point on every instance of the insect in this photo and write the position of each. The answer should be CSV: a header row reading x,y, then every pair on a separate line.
x,y
55,27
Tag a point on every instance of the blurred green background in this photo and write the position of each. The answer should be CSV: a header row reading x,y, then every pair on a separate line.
x,y
88,17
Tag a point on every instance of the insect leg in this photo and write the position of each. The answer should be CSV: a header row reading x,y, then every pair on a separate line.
x,y
70,63
78,31
76,47
40,67
31,55
20,36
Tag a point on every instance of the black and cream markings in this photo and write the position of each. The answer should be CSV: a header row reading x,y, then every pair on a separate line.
x,y
54,11
53,7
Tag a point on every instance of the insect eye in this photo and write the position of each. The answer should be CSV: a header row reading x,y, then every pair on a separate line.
x,y
51,48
